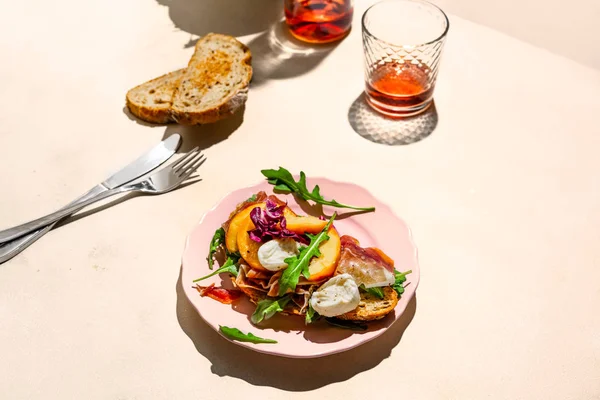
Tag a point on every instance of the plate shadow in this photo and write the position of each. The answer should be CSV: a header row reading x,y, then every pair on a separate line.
x,y
375,127
284,373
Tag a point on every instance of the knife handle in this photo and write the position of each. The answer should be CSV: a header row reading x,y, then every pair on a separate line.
x,y
23,229
10,249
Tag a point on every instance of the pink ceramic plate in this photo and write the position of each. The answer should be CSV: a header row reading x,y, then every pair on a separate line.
x,y
381,228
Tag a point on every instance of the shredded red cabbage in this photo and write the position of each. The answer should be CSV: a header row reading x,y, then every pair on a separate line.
x,y
270,224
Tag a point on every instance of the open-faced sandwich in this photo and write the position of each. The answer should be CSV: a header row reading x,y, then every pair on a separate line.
x,y
300,265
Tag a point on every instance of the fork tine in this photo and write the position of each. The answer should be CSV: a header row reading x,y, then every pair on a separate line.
x,y
185,157
194,166
191,169
184,166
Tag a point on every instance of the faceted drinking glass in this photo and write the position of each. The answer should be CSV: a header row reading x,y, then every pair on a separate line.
x,y
403,42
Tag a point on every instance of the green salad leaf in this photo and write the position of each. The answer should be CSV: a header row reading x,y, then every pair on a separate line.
x,y
284,182
400,279
236,334
230,266
375,291
217,241
311,315
252,198
266,308
299,264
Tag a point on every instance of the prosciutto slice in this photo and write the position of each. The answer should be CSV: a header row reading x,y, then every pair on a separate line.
x,y
242,280
269,283
368,266
225,296
261,197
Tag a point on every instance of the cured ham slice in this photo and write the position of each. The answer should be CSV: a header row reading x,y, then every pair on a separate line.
x,y
261,197
269,282
368,266
225,296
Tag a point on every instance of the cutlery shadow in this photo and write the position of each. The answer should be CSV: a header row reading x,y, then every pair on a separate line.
x,y
289,374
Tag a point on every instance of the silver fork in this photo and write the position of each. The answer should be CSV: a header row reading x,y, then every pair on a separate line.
x,y
159,182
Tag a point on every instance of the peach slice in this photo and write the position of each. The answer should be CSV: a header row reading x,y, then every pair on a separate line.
x,y
302,224
324,266
231,241
248,248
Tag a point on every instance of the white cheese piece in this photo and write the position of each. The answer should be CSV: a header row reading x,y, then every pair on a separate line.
x,y
272,254
335,297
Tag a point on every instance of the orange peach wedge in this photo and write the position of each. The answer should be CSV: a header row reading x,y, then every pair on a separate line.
x,y
248,248
324,266
234,226
302,224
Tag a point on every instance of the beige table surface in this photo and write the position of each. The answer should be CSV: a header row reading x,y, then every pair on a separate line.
x,y
503,199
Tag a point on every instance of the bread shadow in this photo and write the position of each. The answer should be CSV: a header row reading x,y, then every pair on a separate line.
x,y
231,17
207,135
137,120
276,54
289,374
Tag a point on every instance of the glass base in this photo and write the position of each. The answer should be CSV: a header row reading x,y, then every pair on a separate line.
x,y
319,40
391,111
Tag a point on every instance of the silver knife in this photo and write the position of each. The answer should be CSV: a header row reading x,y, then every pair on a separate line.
x,y
146,163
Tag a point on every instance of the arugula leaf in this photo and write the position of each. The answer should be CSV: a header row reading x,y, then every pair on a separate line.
x,y
400,279
217,240
374,291
299,264
230,266
347,324
252,198
284,182
236,334
266,308
311,315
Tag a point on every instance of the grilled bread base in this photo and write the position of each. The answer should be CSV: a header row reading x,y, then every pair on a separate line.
x,y
370,308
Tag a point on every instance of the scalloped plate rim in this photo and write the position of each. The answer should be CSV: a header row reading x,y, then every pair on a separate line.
x,y
264,348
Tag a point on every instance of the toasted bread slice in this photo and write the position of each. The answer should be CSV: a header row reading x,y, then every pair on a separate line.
x,y
151,101
371,307
215,83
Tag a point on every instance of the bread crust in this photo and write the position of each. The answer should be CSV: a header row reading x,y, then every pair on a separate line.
x,y
152,113
230,103
167,112
372,308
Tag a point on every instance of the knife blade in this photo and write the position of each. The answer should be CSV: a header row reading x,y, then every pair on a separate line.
x,y
147,162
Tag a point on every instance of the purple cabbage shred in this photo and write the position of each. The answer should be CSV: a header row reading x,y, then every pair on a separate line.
x,y
270,224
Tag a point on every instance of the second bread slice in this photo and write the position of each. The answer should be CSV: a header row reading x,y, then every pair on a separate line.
x,y
215,83
151,101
